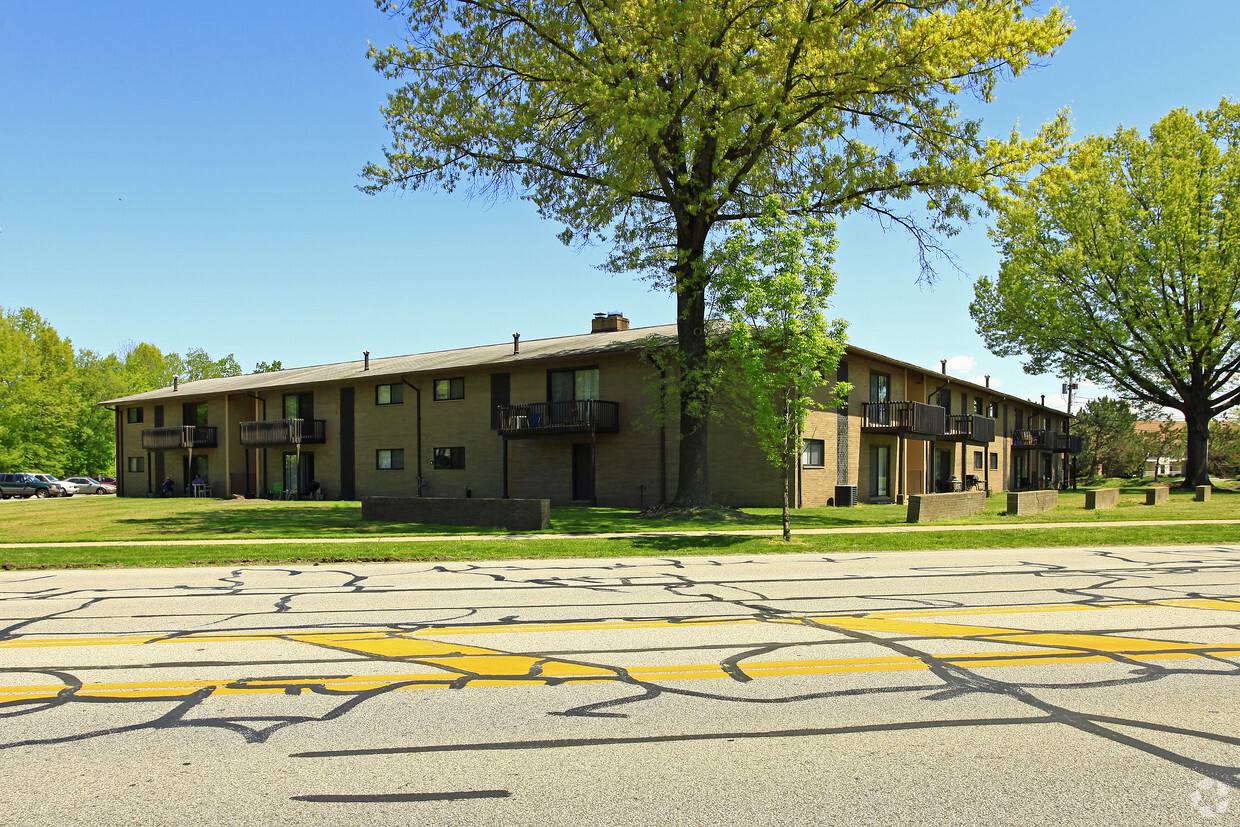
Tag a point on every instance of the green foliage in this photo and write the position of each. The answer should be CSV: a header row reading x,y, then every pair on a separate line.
x,y
1123,262
269,367
773,284
1225,446
50,419
645,124
1109,442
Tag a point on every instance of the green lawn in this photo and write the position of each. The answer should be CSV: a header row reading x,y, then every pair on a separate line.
x,y
104,519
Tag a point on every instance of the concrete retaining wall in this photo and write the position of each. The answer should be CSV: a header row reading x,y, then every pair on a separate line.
x,y
1157,494
1102,498
518,515
1020,503
925,508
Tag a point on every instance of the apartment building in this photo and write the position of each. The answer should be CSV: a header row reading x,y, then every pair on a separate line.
x,y
589,418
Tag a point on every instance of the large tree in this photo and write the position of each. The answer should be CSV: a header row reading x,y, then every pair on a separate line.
x,y
647,123
1124,260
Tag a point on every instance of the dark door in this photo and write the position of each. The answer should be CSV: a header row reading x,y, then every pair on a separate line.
x,y
583,472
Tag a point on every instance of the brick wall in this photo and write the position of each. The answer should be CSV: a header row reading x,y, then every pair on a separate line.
x,y
1020,503
924,508
530,515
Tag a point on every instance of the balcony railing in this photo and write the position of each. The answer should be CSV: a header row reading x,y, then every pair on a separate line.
x,y
284,432
580,416
184,436
1033,440
1067,444
970,428
903,418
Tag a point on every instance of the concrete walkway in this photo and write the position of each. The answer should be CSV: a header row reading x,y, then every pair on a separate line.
x,y
620,535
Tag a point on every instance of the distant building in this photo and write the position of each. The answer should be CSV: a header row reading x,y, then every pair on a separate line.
x,y
575,419
1163,466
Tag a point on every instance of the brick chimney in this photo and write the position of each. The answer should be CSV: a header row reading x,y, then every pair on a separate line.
x,y
609,322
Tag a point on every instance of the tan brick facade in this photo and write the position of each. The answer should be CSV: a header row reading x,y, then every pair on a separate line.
x,y
633,466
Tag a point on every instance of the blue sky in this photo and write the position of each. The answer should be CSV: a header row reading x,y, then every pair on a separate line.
x,y
184,174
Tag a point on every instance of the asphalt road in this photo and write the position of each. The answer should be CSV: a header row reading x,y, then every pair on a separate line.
x,y
1090,686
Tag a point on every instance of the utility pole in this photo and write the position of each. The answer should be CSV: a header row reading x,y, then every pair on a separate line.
x,y
1068,387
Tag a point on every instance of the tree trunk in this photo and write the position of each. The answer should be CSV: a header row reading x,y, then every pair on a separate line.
x,y
1197,437
787,504
692,482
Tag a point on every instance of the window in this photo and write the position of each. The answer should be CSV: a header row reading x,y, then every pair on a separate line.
x,y
977,405
977,460
133,415
389,394
813,453
299,405
994,461
992,410
390,459
194,413
880,387
449,389
449,458
136,465
944,400
572,384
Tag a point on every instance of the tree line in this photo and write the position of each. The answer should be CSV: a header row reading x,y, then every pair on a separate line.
x,y
50,419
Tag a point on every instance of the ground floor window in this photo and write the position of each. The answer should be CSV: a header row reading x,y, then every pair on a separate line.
x,y
136,465
994,461
390,459
977,460
813,453
449,458
880,471
298,472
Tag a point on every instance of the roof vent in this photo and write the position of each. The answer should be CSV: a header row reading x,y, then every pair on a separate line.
x,y
176,380
943,364
516,343
365,360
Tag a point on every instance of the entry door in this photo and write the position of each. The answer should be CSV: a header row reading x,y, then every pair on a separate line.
x,y
298,471
583,472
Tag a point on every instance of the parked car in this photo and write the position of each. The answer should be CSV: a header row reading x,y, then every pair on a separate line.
x,y
60,488
107,480
90,485
24,485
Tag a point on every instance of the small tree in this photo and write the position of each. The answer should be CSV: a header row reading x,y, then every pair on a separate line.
x,y
1108,433
772,285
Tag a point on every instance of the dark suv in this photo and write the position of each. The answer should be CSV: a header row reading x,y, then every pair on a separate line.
x,y
24,485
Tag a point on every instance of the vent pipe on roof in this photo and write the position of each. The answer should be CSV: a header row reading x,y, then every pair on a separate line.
x,y
176,380
943,366
365,360
988,380
1043,400
516,343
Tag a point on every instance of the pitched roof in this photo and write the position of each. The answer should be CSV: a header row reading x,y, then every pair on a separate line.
x,y
584,344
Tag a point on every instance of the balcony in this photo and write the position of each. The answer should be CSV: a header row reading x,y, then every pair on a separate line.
x,y
535,419
185,436
914,419
970,428
1067,444
1026,439
284,432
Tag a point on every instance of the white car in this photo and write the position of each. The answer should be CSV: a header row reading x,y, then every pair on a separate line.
x,y
60,488
90,485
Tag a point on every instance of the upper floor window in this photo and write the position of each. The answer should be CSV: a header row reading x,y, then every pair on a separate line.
x,y
299,405
133,415
194,413
449,389
992,410
977,405
880,387
572,384
944,400
389,394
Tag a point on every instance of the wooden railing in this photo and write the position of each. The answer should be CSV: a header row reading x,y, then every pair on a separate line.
x,y
903,417
970,428
184,436
550,418
284,432
1033,439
